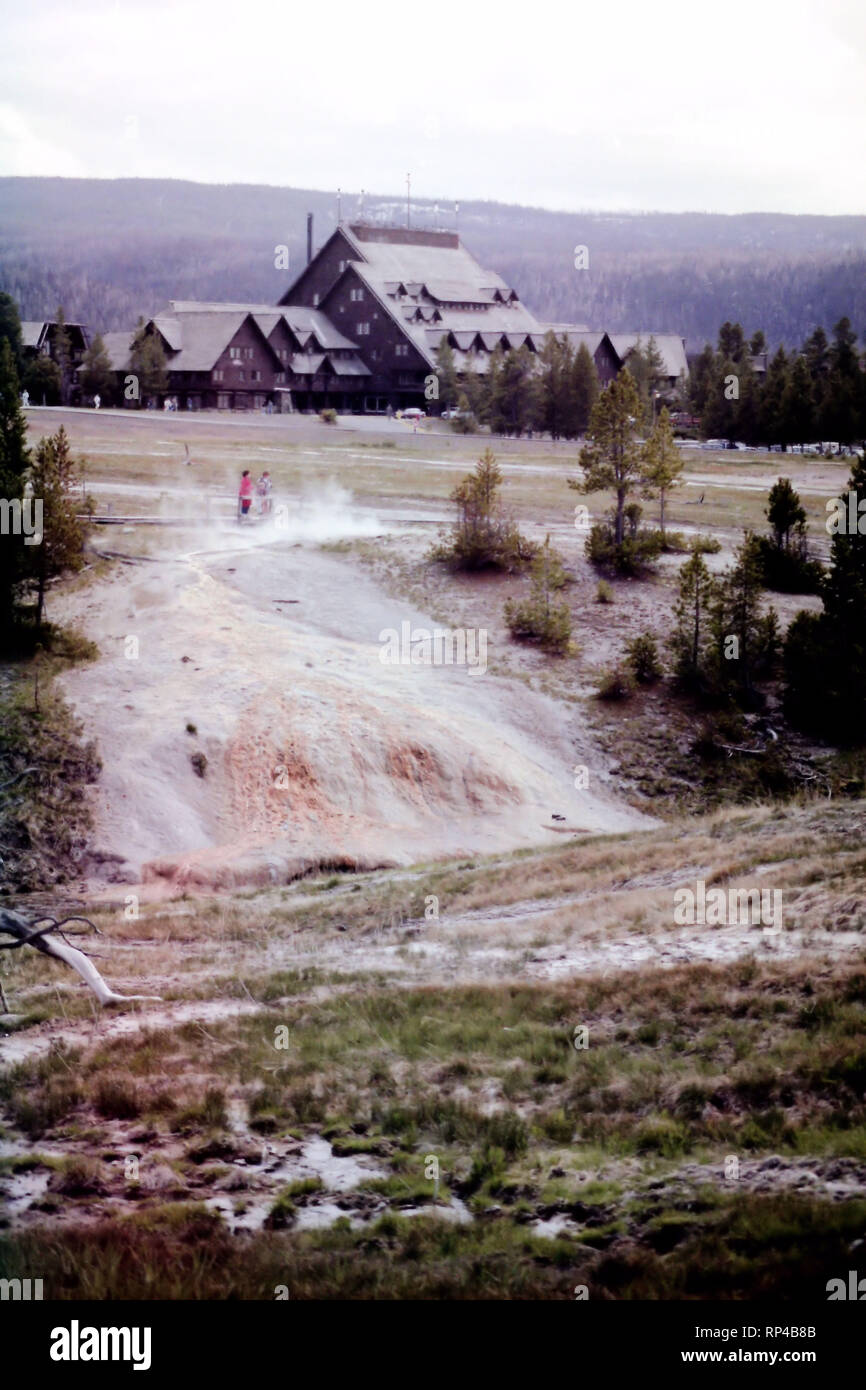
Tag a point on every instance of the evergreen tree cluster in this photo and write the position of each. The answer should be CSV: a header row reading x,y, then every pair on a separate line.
x,y
723,642
815,395
552,391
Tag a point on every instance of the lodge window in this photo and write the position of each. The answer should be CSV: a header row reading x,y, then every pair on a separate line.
x,y
401,349
223,401
362,330
256,376
242,376
356,295
315,298
279,378
342,266
218,376
234,352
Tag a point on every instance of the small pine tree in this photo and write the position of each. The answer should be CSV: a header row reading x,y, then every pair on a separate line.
x,y
612,459
53,478
647,367
741,632
555,361
147,362
62,354
584,391
643,659
785,513
540,618
97,377
43,382
690,638
784,555
662,464
484,535
465,421
447,373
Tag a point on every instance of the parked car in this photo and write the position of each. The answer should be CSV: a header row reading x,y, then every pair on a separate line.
x,y
413,413
455,414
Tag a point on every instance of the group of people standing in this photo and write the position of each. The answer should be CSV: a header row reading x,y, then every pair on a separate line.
x,y
260,490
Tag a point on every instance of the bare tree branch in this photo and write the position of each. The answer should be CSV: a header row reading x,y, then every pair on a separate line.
x,y
33,934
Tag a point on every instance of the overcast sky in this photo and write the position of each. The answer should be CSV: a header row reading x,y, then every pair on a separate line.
x,y
730,106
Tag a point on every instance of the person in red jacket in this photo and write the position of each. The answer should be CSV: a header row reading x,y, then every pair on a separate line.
x,y
245,494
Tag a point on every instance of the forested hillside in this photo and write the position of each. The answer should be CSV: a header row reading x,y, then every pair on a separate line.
x,y
109,250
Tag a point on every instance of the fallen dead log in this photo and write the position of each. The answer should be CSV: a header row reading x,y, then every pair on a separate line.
x,y
38,934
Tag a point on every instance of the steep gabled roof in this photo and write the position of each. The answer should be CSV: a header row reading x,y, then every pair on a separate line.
x,y
301,320
32,332
117,346
420,278
307,363
578,336
417,258
671,349
205,337
170,328
304,321
267,322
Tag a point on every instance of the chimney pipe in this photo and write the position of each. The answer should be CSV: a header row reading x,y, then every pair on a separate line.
x,y
309,237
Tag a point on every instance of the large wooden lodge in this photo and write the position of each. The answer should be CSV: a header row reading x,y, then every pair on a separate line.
x,y
359,329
